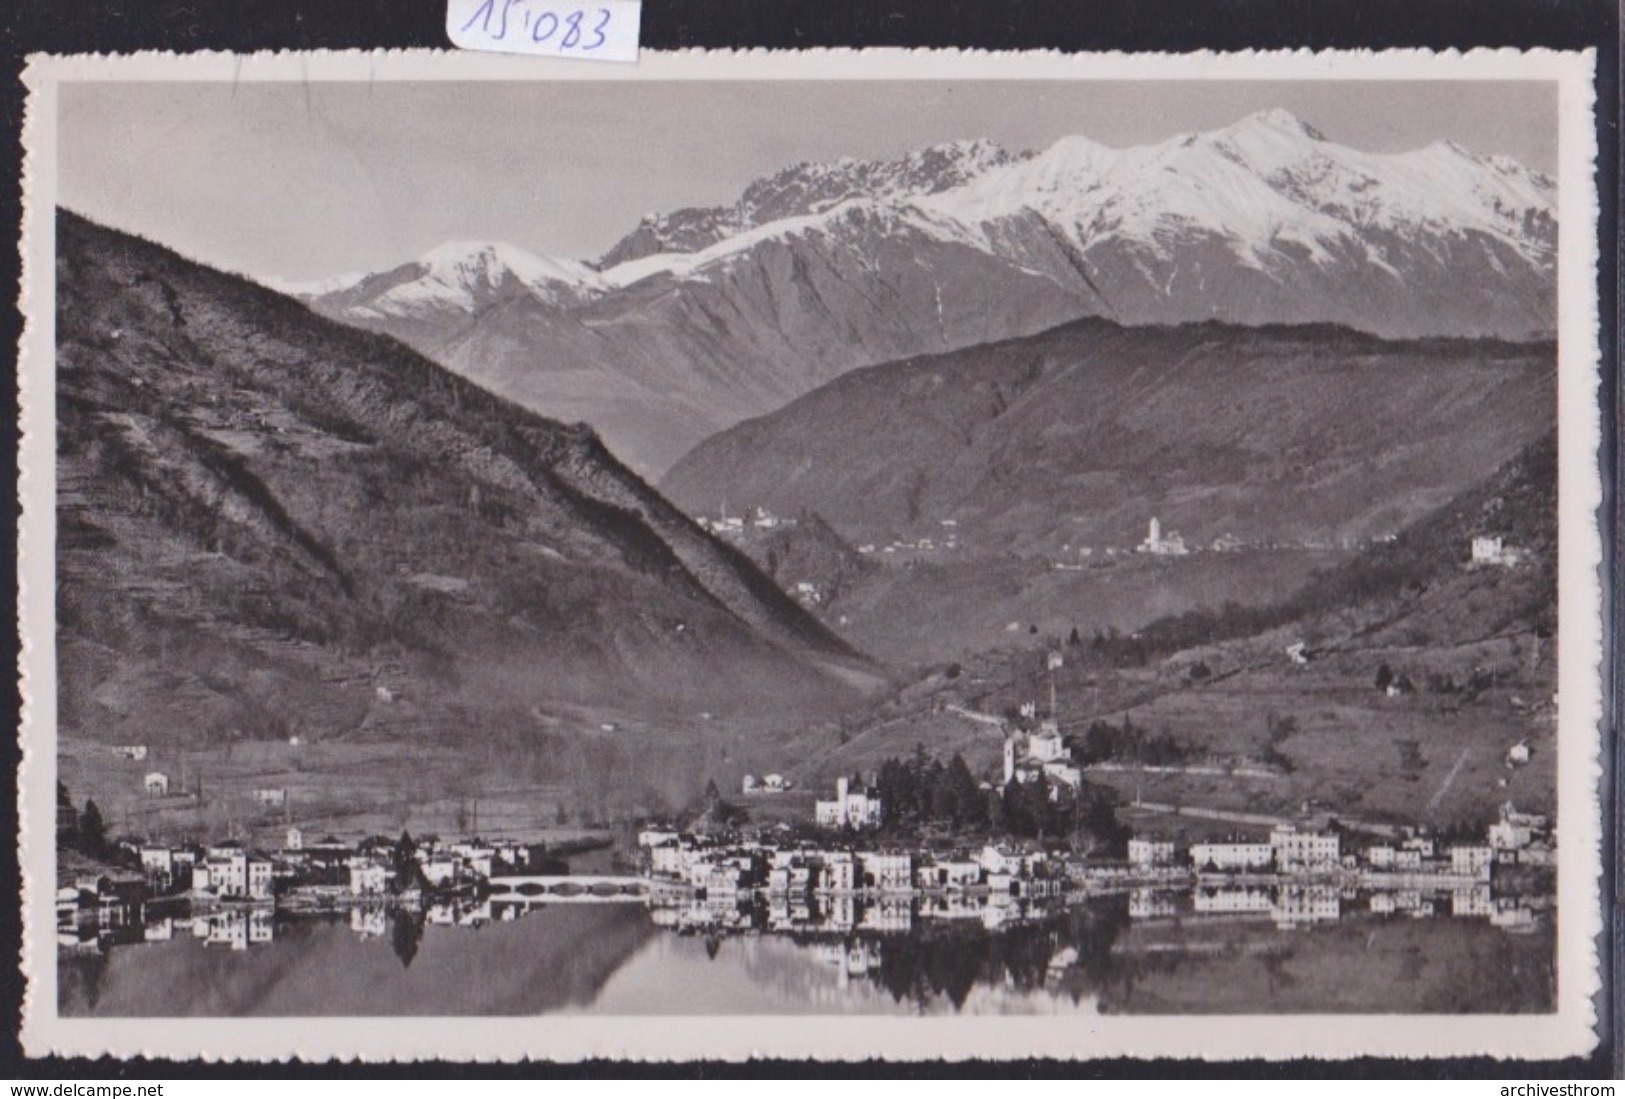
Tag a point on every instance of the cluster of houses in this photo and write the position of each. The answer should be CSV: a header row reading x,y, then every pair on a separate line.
x,y
767,784
233,871
1515,838
926,544
100,901
721,867
759,519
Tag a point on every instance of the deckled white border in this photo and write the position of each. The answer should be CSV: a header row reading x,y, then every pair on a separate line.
x,y
1570,1031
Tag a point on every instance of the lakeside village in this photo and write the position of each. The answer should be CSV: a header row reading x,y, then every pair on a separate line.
x,y
839,877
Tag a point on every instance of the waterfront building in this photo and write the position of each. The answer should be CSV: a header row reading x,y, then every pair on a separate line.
x,y
158,861
439,870
887,871
950,874
369,876
1232,855
231,871
1304,851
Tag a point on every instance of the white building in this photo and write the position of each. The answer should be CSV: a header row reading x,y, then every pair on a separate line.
x,y
157,861
1232,856
271,797
1492,550
1145,853
839,873
368,876
747,785
1046,745
1169,545
887,871
850,809
294,841
951,874
136,752
1063,773
156,784
234,873
1295,850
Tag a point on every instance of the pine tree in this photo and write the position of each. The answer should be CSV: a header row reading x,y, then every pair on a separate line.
x,y
92,829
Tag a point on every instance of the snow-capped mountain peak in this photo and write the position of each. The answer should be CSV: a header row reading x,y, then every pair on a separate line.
x,y
463,277
476,265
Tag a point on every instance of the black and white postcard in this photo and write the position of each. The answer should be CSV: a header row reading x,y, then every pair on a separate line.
x,y
851,554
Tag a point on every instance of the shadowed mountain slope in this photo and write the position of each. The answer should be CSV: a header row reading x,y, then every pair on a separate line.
x,y
271,525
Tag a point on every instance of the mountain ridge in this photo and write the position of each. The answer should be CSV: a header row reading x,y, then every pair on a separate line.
x,y
705,316
1077,436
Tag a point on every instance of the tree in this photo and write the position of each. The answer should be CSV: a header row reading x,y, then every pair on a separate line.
x,y
1385,676
92,829
1074,638
969,808
67,819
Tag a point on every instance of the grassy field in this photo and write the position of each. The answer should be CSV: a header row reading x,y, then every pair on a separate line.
x,y
953,610
346,789
1320,735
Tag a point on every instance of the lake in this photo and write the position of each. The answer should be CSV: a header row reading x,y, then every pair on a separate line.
x,y
1230,950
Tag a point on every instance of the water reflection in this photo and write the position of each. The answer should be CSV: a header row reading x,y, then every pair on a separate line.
x,y
1212,948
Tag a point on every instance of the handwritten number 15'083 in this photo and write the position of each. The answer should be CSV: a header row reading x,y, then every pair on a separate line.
x,y
493,19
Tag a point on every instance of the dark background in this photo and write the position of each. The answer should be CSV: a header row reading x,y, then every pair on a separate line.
x,y
76,26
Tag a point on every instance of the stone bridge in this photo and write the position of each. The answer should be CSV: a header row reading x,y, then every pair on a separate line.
x,y
569,889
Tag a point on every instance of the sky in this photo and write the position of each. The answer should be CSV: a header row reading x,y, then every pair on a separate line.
x,y
303,181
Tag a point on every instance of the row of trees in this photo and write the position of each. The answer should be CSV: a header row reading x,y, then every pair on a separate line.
x,y
83,830
1101,742
924,792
